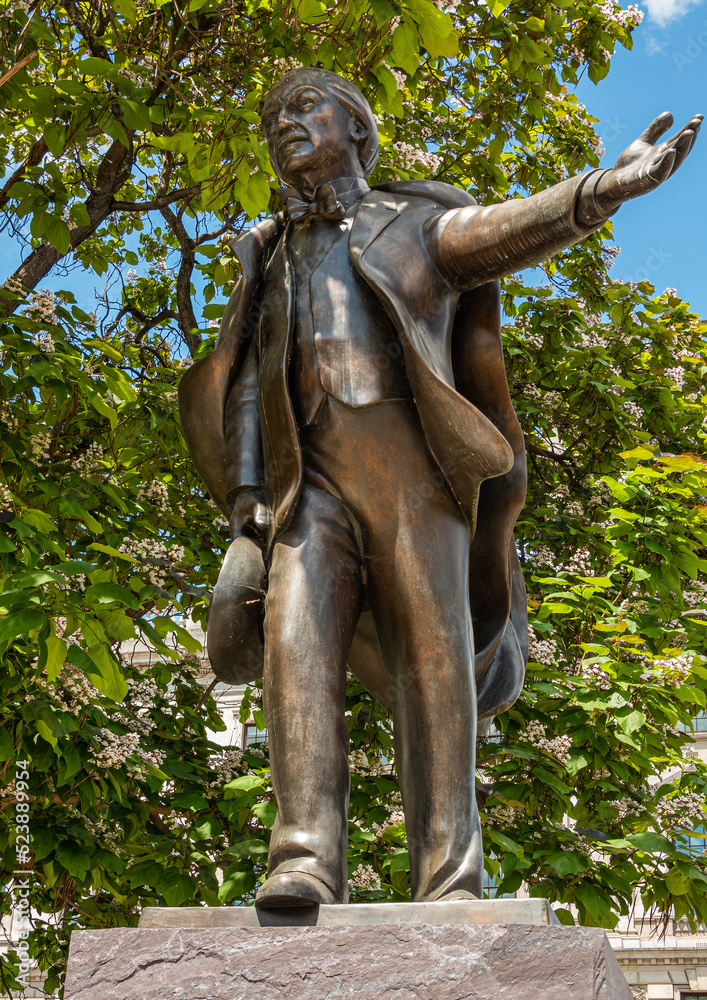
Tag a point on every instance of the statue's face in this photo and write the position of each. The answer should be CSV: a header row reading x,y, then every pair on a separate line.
x,y
308,132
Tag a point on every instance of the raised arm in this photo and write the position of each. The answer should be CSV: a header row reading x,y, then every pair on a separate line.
x,y
473,245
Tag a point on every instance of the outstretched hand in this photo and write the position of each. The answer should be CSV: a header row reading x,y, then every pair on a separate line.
x,y
646,163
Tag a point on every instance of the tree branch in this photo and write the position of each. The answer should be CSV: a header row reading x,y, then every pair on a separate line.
x,y
158,203
17,67
543,453
187,318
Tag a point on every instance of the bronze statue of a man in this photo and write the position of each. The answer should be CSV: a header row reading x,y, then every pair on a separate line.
x,y
354,421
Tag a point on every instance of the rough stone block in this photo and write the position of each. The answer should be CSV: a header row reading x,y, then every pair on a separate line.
x,y
382,962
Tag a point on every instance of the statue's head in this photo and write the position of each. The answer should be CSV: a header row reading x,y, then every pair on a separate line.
x,y
318,126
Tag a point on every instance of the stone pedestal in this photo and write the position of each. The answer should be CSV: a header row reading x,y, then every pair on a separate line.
x,y
363,959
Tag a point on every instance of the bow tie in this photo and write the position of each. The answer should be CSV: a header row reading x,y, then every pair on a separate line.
x,y
323,202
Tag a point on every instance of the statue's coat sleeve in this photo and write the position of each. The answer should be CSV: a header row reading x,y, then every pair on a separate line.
x,y
205,388
475,244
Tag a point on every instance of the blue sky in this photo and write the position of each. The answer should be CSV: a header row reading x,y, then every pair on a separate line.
x,y
663,235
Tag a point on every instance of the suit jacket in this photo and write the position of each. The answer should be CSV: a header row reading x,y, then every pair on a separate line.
x,y
431,256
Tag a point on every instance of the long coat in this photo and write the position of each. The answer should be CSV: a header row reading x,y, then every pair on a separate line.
x,y
451,342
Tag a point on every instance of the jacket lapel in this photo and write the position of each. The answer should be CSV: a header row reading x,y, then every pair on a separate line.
x,y
376,211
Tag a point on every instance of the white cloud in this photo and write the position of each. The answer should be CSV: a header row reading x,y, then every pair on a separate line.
x,y
654,47
665,11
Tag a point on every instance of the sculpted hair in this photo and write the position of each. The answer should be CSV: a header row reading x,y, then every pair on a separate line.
x,y
346,93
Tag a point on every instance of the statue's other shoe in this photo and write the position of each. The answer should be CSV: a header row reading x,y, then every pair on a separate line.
x,y
293,889
456,894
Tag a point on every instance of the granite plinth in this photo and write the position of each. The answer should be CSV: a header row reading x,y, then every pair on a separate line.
x,y
375,962
458,911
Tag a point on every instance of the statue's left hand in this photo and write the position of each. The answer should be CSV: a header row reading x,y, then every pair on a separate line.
x,y
646,163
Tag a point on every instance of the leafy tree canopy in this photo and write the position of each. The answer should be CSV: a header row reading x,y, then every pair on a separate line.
x,y
130,156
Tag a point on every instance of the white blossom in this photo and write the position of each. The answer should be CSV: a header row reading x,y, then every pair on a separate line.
x,y
155,495
45,342
408,156
594,672
41,445
676,375
116,750
557,746
630,17
365,879
399,77
542,651
7,500
226,765
685,806
633,409
286,64
7,418
580,563
89,460
71,690
150,553
671,671
15,287
40,307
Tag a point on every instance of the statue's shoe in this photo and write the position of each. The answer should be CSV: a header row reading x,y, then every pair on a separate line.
x,y
457,894
293,889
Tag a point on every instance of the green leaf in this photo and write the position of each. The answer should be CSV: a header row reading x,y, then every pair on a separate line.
x,y
189,800
69,761
175,887
7,744
266,812
101,669
126,9
651,843
43,841
145,873
208,827
73,509
256,195
406,49
246,783
110,593
73,857
52,655
236,886
383,11
20,623
630,720
39,520
54,136
677,883
594,901
568,863
436,29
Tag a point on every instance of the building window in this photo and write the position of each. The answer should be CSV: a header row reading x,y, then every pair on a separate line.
x,y
251,734
696,845
693,996
490,887
699,725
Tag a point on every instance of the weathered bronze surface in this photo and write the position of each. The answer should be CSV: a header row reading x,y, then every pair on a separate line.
x,y
354,422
